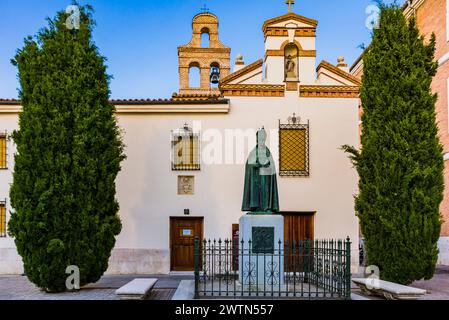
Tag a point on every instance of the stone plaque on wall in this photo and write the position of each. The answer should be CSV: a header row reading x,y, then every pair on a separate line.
x,y
186,185
263,240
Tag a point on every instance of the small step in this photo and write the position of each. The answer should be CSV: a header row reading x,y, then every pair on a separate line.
x,y
138,289
182,273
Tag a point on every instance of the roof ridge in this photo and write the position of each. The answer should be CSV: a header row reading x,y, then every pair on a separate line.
x,y
242,71
287,16
339,71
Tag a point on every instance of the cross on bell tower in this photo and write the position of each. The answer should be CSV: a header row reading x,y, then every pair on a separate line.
x,y
205,9
290,3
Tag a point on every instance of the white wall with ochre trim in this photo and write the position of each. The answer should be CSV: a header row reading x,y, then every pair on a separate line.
x,y
147,188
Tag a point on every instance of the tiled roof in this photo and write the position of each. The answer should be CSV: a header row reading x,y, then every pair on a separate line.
x,y
9,101
194,99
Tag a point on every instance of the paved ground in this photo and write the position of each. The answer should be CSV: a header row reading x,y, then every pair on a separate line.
x,y
437,288
19,288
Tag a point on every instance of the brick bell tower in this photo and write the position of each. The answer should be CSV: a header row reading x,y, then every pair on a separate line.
x,y
205,53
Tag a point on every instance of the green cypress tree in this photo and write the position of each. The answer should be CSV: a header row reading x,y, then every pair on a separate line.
x,y
401,162
68,155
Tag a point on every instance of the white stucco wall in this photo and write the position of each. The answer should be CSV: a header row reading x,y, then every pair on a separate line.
x,y
147,187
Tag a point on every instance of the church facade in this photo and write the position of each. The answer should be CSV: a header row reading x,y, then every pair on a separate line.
x,y
185,167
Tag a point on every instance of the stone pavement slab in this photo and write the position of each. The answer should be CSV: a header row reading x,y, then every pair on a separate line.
x,y
20,288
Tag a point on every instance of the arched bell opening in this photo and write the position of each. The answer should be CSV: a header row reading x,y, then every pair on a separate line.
x,y
194,75
205,38
214,75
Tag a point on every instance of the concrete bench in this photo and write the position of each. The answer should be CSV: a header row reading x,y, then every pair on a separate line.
x,y
138,289
388,290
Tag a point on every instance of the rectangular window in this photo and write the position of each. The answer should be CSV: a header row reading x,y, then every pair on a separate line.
x,y
294,150
3,155
2,219
185,150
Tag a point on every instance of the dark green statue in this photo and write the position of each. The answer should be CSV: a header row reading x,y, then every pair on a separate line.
x,y
261,191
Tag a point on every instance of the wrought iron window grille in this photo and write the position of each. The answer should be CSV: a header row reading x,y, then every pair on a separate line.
x,y
3,219
185,150
4,150
294,150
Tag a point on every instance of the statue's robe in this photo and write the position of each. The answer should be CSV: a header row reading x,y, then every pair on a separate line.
x,y
260,193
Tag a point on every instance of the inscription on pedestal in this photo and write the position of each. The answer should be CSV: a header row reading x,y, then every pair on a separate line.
x,y
263,240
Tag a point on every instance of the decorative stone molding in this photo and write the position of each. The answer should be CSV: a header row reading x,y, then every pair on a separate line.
x,y
203,50
289,16
186,185
281,53
249,68
339,72
283,32
291,86
317,91
196,97
253,90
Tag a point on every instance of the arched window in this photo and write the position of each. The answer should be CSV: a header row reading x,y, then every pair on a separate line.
x,y
291,54
194,75
205,38
214,75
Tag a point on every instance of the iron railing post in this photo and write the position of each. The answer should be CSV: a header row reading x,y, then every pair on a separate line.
x,y
197,266
348,268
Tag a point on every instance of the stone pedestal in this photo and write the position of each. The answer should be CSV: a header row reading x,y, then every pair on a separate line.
x,y
261,263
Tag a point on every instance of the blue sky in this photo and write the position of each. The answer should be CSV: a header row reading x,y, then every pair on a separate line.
x,y
140,37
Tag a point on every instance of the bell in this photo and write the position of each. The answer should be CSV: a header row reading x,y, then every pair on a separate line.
x,y
215,75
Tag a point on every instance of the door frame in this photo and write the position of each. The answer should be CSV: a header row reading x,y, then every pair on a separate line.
x,y
172,218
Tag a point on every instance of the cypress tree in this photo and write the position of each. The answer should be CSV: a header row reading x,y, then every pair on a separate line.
x,y
401,162
68,155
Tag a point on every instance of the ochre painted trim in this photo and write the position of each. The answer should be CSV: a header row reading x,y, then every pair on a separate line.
x,y
317,91
339,72
249,68
281,53
291,86
283,32
253,90
289,16
204,50
333,78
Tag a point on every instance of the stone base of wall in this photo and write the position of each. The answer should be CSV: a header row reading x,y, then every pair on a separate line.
x,y
122,261
139,261
10,262
443,245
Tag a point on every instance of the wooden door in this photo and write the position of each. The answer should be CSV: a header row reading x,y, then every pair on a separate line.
x,y
297,227
182,242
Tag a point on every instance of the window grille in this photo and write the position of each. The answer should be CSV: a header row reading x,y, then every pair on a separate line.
x,y
294,149
2,219
3,149
185,150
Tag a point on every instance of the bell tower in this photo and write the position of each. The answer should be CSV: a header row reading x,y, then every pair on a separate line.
x,y
204,60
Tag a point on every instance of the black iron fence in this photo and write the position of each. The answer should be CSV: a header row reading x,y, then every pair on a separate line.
x,y
319,269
